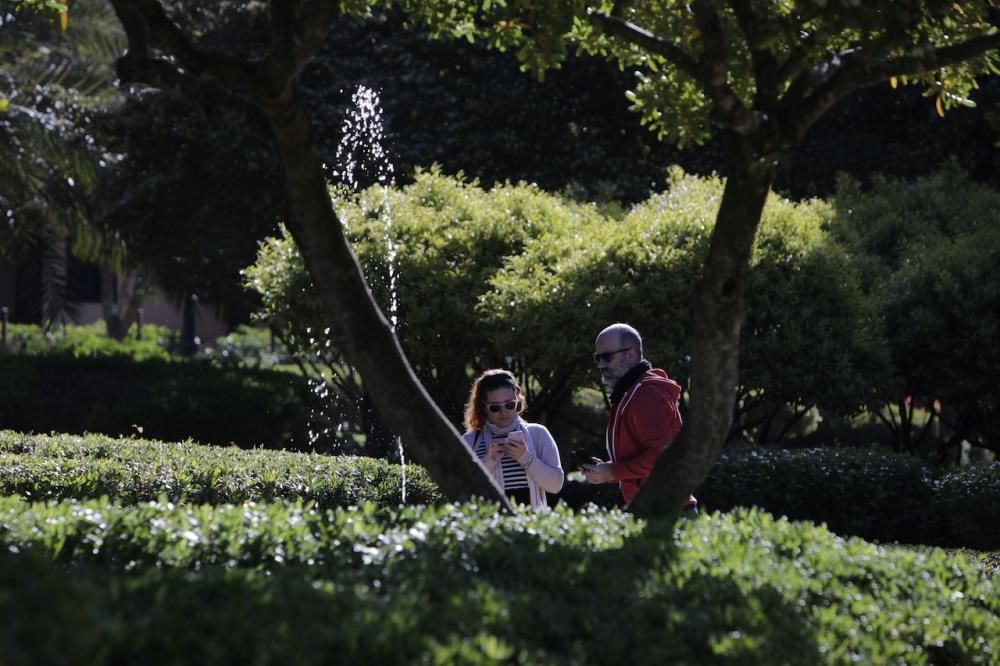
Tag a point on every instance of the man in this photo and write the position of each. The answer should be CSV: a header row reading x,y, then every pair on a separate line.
x,y
644,417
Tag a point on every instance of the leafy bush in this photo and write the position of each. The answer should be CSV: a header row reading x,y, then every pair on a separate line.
x,y
884,497
965,501
874,495
88,341
117,395
643,269
810,339
271,583
516,277
250,347
58,467
450,238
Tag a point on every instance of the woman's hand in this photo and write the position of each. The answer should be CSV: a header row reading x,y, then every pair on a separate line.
x,y
497,449
516,448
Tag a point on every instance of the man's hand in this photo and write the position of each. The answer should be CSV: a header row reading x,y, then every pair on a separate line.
x,y
599,472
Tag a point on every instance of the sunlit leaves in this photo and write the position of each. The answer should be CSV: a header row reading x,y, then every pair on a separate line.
x,y
376,585
140,470
806,38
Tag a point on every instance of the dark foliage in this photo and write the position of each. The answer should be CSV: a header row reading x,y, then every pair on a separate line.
x,y
874,495
167,400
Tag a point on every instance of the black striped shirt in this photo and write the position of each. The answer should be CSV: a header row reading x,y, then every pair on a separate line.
x,y
514,476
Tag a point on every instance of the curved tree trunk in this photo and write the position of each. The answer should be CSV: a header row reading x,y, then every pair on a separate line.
x,y
718,308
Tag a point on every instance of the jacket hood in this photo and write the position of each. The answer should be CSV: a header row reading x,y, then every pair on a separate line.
x,y
658,377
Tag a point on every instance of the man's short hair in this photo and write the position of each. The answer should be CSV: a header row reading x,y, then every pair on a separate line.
x,y
627,336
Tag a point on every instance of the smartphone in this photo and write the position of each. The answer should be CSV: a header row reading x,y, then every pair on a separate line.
x,y
582,457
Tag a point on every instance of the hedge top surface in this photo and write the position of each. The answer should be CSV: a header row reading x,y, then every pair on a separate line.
x,y
736,588
134,470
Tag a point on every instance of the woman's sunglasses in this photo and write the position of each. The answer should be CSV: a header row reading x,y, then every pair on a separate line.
x,y
510,406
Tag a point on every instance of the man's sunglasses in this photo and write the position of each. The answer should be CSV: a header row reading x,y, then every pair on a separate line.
x,y
605,357
510,406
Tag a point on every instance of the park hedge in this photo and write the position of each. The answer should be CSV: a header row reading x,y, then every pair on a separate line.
x,y
160,398
63,467
88,341
276,557
875,495
258,583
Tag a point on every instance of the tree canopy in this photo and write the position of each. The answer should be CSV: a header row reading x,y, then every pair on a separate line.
x,y
761,74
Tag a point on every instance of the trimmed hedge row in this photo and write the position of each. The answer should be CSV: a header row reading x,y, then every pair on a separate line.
x,y
286,583
42,467
874,495
166,399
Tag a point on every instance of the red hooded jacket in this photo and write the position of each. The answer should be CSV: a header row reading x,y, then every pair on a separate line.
x,y
643,423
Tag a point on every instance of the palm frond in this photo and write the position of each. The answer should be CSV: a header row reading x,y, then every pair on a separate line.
x,y
53,82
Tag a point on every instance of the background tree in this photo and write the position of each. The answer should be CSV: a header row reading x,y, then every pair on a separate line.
x,y
450,240
812,339
928,250
190,199
761,74
643,267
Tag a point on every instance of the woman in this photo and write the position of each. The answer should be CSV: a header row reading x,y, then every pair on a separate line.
x,y
521,456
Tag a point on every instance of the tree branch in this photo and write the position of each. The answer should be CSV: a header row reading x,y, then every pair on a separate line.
x,y
201,80
799,56
710,71
298,32
207,96
283,20
942,57
619,27
765,64
841,74
315,17
728,110
160,33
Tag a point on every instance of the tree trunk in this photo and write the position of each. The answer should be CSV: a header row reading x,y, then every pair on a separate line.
x,y
357,323
718,308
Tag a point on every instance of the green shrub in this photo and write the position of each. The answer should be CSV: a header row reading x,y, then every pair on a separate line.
x,y
89,341
874,495
643,269
450,239
130,471
968,503
117,395
285,583
516,277
249,347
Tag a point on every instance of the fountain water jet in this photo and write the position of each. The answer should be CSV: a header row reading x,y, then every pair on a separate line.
x,y
363,160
